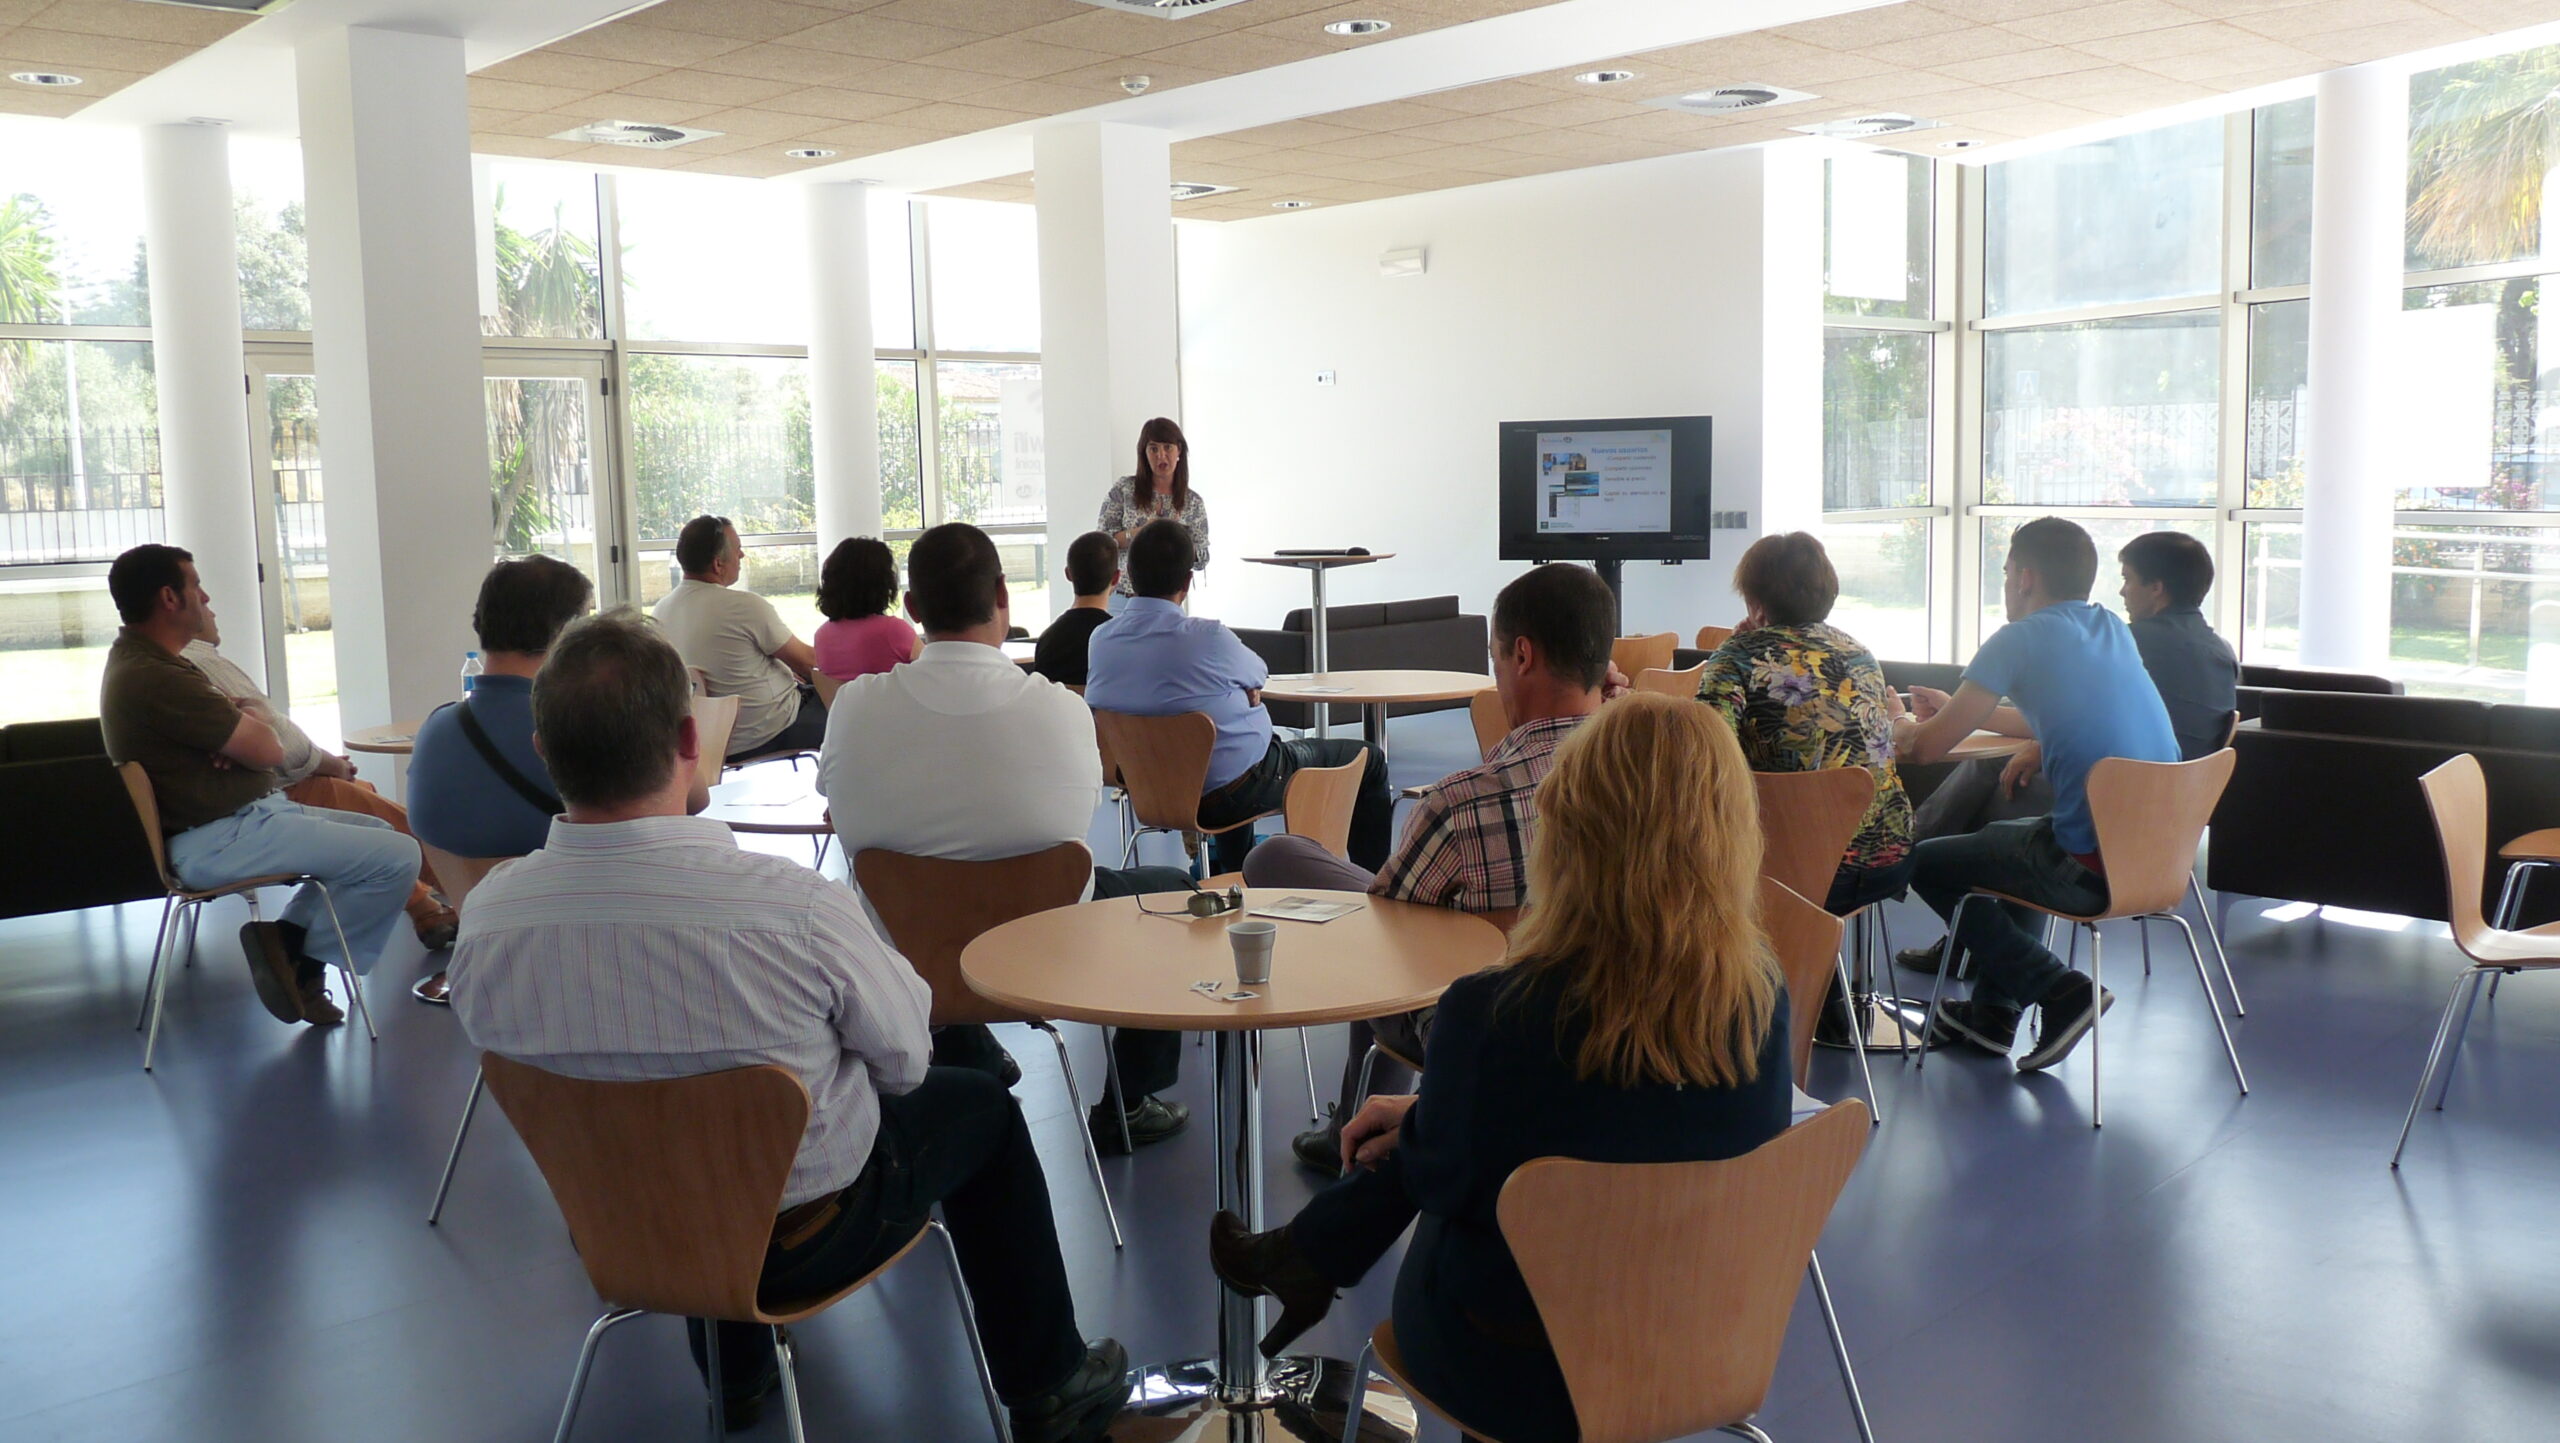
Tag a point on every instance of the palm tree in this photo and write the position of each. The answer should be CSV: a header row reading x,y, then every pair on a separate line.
x,y
30,288
2482,137
547,286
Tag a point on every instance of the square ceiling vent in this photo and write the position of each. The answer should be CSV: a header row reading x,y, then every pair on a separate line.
x,y
1196,189
640,135
1163,9
1875,125
229,7
1728,99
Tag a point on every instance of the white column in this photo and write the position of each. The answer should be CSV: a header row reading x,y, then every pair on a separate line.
x,y
197,359
386,151
1107,353
844,410
2358,218
1791,351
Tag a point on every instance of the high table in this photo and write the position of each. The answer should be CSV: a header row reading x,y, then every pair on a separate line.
x,y
390,741
1319,655
1373,692
1110,962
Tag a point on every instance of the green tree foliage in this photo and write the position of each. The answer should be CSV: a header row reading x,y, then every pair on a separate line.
x,y
30,287
538,451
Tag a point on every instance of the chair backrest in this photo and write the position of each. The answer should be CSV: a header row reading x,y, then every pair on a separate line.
x,y
1492,719
1633,654
1711,637
1682,683
714,718
2458,798
1665,1287
700,679
2150,816
1317,805
2231,728
1110,763
146,805
457,875
669,1187
826,687
1806,941
1806,822
933,908
1163,761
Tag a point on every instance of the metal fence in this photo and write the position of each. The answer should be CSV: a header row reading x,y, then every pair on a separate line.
x,y
77,495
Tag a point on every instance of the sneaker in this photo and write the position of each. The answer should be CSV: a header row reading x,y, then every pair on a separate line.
x,y
1151,1121
1931,959
1319,1149
1080,1409
318,1008
273,969
2065,1013
1986,1025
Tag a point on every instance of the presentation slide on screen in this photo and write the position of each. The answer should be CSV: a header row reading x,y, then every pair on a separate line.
x,y
1603,482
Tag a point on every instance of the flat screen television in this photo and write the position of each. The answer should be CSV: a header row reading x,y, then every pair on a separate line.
x,y
1632,489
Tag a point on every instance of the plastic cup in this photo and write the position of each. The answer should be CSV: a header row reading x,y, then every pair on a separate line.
x,y
1253,941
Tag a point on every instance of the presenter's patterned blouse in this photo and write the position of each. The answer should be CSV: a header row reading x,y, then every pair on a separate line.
x,y
1807,698
1121,512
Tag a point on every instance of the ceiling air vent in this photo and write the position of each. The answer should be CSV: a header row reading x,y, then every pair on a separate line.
x,y
1867,127
634,133
1195,189
1163,9
229,7
1726,99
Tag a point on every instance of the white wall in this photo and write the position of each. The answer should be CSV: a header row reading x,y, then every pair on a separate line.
x,y
1628,290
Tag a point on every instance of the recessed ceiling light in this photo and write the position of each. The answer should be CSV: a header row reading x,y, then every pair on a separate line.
x,y
1606,77
1958,144
809,152
1194,189
1359,27
1291,204
44,78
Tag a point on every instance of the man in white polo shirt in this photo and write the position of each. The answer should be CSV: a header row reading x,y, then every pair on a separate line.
x,y
740,644
962,754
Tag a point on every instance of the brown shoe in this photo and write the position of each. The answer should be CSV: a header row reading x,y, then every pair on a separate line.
x,y
437,929
435,991
318,1007
273,969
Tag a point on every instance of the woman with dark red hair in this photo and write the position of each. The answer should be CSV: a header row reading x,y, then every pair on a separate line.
x,y
1159,490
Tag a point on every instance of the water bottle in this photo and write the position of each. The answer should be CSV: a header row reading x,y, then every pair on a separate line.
x,y
471,672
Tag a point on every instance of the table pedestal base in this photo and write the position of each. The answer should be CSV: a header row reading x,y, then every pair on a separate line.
x,y
1303,1401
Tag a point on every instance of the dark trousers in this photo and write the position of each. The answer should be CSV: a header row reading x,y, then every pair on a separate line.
x,y
1300,862
1855,887
1265,785
807,731
1971,798
2010,965
958,1140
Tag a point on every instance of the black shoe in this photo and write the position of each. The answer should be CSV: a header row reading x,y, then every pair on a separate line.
x,y
1840,1024
1319,1149
739,1411
1986,1025
1931,959
273,969
1008,1071
1269,1265
1152,1120
2065,1013
1080,1409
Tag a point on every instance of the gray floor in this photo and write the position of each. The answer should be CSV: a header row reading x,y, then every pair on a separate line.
x,y
233,1248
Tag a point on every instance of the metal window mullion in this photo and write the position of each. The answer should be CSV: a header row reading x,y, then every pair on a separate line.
x,y
1832,321
2239,226
2268,295
2120,513
18,332
621,578
1884,513
928,377
53,570
2085,315
1947,189
1964,576
2469,275
716,348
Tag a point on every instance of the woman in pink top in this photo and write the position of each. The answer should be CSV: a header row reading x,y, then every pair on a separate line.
x,y
856,588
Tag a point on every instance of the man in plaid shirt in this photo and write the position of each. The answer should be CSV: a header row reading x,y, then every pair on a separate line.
x,y
1466,845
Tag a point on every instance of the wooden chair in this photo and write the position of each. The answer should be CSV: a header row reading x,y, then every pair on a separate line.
x,y
459,876
1711,637
2458,799
1806,941
2149,817
1164,764
1492,722
1318,804
2212,928
1665,1288
714,717
1682,683
933,908
1807,820
1632,654
827,687
186,905
670,1189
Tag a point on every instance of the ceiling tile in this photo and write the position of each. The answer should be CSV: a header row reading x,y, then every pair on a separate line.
x,y
710,87
1373,147
987,17
1909,85
1161,75
123,17
832,104
738,19
1569,111
1218,147
2098,22
1471,128
622,105
2374,42
2323,17
72,50
1977,42
1292,132
883,39
584,73
648,45
2159,44
2233,60
762,124
874,137
953,119
1866,29
517,95
924,82
1117,32
1017,59
1048,97
2022,65
1237,52
792,63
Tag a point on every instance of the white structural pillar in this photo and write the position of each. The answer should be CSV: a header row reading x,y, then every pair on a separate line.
x,y
386,153
2358,218
1790,346
844,409
1107,350
197,359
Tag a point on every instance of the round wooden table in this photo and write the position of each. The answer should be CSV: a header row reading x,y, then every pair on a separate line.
x,y
1111,963
774,801
1987,744
1373,692
390,741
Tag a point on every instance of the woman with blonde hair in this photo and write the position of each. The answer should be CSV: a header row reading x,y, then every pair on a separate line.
x,y
1637,1017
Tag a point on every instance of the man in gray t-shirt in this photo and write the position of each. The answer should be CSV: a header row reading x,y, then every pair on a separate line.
x,y
740,644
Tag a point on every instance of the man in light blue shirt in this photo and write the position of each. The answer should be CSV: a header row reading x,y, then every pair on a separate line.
x,y
1152,660
2077,685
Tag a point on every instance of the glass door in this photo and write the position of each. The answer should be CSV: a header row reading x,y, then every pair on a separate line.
x,y
293,543
550,486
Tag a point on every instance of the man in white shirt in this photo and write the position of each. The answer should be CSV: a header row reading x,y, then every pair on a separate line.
x,y
962,754
641,942
740,644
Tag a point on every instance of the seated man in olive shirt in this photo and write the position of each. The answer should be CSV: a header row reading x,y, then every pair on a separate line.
x,y
212,767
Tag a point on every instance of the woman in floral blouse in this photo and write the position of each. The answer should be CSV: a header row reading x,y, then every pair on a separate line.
x,y
1159,489
1804,695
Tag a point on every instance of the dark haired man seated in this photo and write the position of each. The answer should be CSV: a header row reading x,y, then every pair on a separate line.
x,y
1152,660
1093,568
641,942
1466,844
2166,576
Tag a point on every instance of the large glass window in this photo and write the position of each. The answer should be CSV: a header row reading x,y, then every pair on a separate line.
x,y
721,435
1875,418
540,274
2105,413
2279,382
2479,144
2133,218
986,275
1876,235
70,225
1884,584
2280,194
79,450
708,258
2482,391
275,255
2109,533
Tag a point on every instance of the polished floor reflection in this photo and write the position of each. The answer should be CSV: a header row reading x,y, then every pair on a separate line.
x,y
234,1247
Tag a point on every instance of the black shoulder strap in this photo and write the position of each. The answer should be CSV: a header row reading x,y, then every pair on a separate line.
x,y
521,784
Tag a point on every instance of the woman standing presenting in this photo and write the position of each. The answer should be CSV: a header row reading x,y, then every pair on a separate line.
x,y
1159,489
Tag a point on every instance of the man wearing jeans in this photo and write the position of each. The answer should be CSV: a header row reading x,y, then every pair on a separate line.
x,y
1152,660
2078,688
212,765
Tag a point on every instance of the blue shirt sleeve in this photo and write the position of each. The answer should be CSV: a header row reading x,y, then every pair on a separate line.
x,y
2006,654
1250,670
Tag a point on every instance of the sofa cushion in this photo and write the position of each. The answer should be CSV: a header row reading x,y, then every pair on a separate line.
x,y
2525,728
1426,608
47,741
2447,721
2298,678
1904,675
65,867
1337,619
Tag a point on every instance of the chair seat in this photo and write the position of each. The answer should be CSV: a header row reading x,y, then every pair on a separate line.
x,y
2107,916
1390,1360
245,884
795,1311
2541,846
1395,1054
2533,948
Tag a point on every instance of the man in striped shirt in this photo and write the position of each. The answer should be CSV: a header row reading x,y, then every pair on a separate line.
x,y
1467,843
640,942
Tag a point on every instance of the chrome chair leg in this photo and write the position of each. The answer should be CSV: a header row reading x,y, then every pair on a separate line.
x,y
1839,1348
1951,963
1084,1130
158,1001
470,1105
711,1376
2142,929
195,916
586,1361
1119,1100
1358,1407
2230,983
1858,1042
355,984
1306,1054
2206,982
782,1361
151,979
1745,1430
2097,1025
2461,1034
1368,1069
2469,981
969,1325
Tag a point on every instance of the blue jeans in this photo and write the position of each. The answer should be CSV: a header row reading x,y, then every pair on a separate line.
x,y
2022,858
368,866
